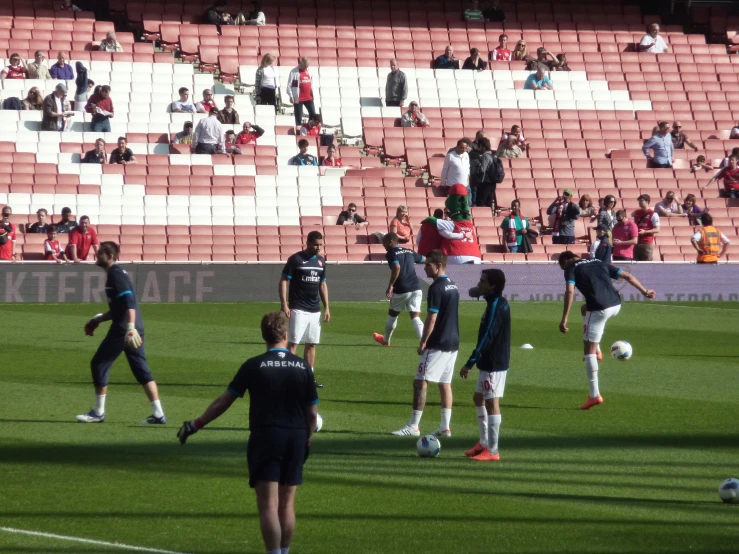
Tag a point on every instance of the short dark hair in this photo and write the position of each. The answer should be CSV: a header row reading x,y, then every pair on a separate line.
x,y
105,88
351,205
663,124
188,125
464,140
515,128
495,277
84,217
706,219
438,213
230,132
645,197
52,229
42,210
183,89
122,139
229,96
303,143
474,51
390,238
313,236
621,213
484,143
566,256
437,257
274,327
110,248
90,82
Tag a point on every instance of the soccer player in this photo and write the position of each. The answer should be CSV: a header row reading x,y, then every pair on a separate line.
x,y
492,355
282,418
438,347
126,335
404,290
306,273
593,279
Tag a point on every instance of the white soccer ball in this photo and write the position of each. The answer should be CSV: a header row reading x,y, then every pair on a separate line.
x,y
428,446
621,350
319,422
729,491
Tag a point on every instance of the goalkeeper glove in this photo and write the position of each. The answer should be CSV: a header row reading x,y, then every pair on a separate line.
x,y
188,428
132,339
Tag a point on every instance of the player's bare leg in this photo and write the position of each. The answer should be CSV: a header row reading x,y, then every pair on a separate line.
x,y
292,347
598,353
419,403
269,518
590,350
482,425
309,355
286,513
445,389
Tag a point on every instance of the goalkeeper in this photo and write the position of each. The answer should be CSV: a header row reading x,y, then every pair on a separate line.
x,y
126,335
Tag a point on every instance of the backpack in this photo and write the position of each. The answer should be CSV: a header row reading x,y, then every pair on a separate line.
x,y
494,172
12,103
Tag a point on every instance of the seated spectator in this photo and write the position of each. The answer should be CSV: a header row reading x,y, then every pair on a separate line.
x,y
67,222
447,60
734,132
207,104
561,63
303,158
37,69
602,247
230,144
122,154
542,61
401,225
217,14
229,116
538,81
669,207
501,53
184,136
509,148
82,89
52,249
475,61
255,16
587,210
67,6
701,164
351,217
40,226
100,105
208,136
624,237
110,44
183,104
96,156
265,82
691,210
55,116
725,161
652,42
34,100
680,139
15,70
730,175
331,160
61,69
493,13
565,212
413,117
312,128
516,132
520,53
607,213
249,134
81,239
514,227
709,242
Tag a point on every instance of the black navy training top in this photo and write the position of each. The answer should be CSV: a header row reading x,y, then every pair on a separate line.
x,y
493,350
407,281
305,273
443,300
121,298
594,280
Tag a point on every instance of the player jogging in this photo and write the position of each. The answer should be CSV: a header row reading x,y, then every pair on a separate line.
x,y
593,279
492,355
282,417
306,272
438,347
404,289
126,335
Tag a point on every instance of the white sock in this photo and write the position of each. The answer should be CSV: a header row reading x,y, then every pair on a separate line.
x,y
418,326
446,418
482,424
156,405
390,325
415,419
493,432
591,368
99,404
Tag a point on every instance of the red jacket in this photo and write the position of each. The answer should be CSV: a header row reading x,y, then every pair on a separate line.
x,y
430,239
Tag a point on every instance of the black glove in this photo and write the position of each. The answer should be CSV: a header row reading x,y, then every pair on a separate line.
x,y
188,428
307,450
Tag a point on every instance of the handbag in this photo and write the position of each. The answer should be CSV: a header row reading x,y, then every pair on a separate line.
x,y
525,247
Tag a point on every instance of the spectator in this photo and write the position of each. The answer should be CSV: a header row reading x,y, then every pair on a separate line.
x,y
401,225
37,69
34,100
82,87
249,134
8,233
542,61
331,160
428,237
265,82
303,158
648,223
652,42
351,217
725,161
709,242
693,212
456,168
217,14
52,249
207,104
586,207
734,132
312,128
66,224
55,116
607,214
501,53
40,226
669,207
186,135
561,64
514,227
300,91
489,173
447,60
680,139
516,132
624,235
700,164
602,247
493,13
565,214
122,154
255,16
396,86
661,143
413,117
230,144
96,156
110,44
538,81
730,175
67,6
100,105
509,148
520,54
183,104
475,61
229,116
81,239
61,69
15,70
475,151
208,136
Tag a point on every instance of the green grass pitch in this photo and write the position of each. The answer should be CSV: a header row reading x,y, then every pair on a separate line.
x,y
638,474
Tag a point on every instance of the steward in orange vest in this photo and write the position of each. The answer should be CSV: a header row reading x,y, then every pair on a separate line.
x,y
710,245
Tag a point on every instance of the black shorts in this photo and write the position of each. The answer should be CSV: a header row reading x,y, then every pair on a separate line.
x,y
276,454
113,346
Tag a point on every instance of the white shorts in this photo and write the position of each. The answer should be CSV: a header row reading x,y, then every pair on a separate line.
x,y
410,301
491,384
595,323
436,366
304,327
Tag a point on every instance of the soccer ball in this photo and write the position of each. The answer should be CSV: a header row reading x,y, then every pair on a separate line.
x,y
621,350
729,491
319,422
428,446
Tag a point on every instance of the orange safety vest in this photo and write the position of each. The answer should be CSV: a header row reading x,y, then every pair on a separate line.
x,y
710,244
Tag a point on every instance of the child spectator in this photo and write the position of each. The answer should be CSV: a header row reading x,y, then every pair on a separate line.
x,y
40,226
230,144
52,249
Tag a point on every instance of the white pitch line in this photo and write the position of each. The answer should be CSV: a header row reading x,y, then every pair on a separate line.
x,y
87,541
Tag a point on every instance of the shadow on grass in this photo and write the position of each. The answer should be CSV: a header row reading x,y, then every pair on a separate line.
x,y
130,384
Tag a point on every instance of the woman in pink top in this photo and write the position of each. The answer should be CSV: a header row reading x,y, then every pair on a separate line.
x,y
401,225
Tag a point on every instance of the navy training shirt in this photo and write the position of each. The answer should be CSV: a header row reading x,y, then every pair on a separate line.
x,y
121,298
305,273
280,385
443,300
407,281
594,280
493,350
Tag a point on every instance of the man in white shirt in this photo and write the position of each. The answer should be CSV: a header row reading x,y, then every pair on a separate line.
x,y
208,136
652,41
184,104
669,207
456,169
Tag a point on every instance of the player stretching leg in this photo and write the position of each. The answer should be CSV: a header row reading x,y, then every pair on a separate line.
x,y
593,279
438,347
404,290
492,356
126,335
